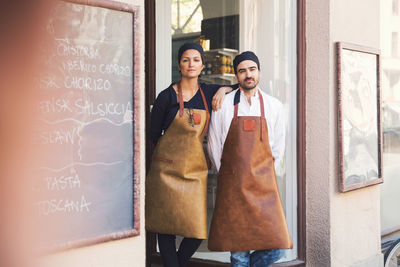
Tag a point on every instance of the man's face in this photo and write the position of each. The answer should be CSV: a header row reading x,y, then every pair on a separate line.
x,y
248,74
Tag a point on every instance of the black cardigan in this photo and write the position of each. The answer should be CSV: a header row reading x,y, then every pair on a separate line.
x,y
166,106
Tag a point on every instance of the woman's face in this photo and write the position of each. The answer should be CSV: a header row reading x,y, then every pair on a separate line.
x,y
191,64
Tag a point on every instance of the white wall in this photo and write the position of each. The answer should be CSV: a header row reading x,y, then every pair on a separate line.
x,y
125,252
318,131
343,229
355,215
163,45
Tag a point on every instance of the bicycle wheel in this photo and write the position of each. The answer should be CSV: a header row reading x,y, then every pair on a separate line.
x,y
392,255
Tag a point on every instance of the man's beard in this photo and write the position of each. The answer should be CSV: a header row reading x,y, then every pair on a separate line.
x,y
248,88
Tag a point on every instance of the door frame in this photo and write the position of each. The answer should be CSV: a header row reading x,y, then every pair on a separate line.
x,y
152,257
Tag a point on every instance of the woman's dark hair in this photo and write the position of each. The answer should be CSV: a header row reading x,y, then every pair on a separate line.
x,y
188,46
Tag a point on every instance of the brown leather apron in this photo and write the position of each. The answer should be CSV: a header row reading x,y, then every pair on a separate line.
x,y
176,184
248,212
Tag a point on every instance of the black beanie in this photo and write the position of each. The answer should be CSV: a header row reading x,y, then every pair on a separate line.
x,y
247,55
188,46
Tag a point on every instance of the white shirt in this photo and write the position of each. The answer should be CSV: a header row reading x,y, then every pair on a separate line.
x,y
221,121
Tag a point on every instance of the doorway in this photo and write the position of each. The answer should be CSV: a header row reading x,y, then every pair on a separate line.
x,y
269,28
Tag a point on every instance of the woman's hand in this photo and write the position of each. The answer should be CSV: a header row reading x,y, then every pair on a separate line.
x,y
219,96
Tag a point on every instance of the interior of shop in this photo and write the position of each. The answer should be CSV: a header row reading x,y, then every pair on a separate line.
x,y
224,28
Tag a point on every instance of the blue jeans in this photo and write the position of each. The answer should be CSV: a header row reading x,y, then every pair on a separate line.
x,y
258,258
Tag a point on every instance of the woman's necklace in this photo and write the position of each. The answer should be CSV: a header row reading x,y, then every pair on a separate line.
x,y
186,94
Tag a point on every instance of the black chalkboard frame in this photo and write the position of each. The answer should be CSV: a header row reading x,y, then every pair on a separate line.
x,y
135,231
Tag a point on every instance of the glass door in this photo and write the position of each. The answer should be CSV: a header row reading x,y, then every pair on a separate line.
x,y
390,86
225,28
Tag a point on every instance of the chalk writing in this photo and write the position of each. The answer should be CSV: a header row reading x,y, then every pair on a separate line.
x,y
101,109
115,69
87,83
128,116
82,164
84,127
62,182
55,105
46,207
84,106
65,49
79,65
48,82
58,137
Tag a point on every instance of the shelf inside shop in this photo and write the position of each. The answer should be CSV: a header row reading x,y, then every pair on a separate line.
x,y
218,66
214,78
222,51
218,76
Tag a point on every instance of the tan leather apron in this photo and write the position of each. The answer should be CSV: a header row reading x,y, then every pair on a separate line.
x,y
176,184
248,213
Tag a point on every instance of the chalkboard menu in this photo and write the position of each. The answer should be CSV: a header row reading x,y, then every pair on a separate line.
x,y
85,181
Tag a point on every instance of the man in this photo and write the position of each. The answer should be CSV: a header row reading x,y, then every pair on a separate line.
x,y
246,138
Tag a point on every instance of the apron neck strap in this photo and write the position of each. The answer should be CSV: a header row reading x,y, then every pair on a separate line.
x,y
205,129
180,99
236,101
261,104
262,116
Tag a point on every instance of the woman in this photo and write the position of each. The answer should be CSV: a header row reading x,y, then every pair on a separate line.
x,y
177,180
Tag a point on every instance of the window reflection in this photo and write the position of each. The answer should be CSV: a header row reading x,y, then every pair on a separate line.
x,y
390,84
186,16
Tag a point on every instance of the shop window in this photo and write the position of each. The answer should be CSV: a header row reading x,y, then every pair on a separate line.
x,y
225,28
186,16
390,86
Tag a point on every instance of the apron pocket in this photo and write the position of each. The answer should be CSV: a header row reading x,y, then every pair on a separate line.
x,y
249,125
196,118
